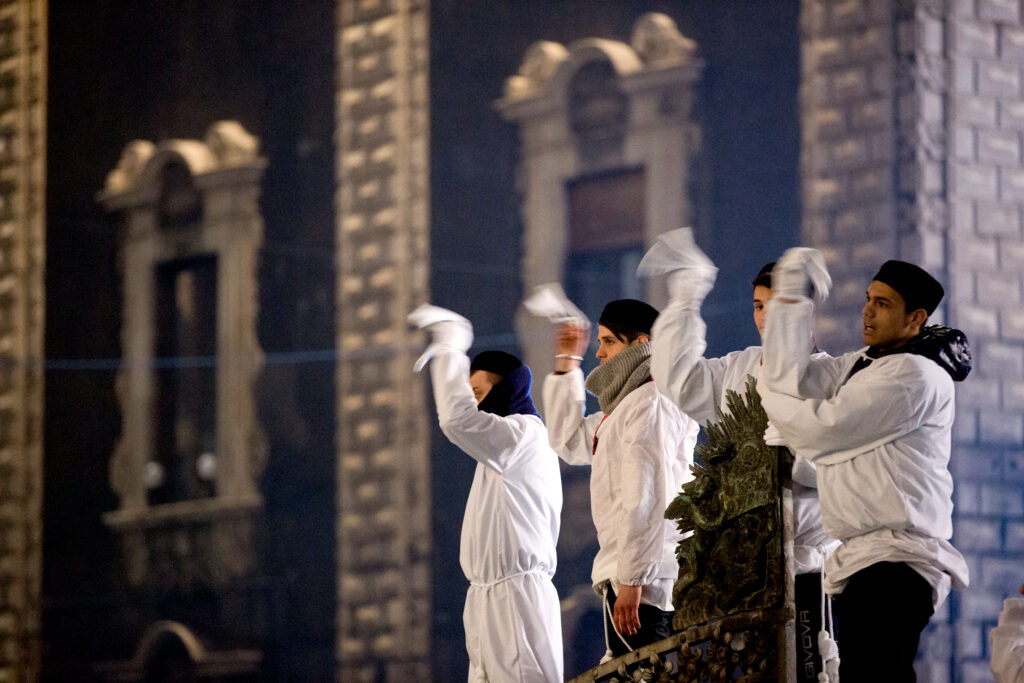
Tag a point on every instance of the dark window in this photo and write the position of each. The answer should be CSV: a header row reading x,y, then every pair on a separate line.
x,y
180,206
186,373
606,238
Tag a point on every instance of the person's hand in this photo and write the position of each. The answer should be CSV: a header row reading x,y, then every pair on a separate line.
x,y
456,335
571,342
448,331
798,268
626,615
773,437
688,286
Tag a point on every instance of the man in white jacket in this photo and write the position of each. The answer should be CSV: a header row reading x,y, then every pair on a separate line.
x,y
698,386
640,447
512,615
881,442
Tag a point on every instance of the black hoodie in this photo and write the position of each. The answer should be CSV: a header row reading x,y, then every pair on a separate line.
x,y
946,346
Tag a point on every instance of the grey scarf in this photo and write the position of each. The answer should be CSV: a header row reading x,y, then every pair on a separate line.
x,y
622,373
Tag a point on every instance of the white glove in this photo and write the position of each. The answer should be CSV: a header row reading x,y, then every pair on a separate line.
x,y
798,267
688,286
448,331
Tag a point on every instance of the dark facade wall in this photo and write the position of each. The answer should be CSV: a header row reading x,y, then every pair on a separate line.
x,y
156,70
749,112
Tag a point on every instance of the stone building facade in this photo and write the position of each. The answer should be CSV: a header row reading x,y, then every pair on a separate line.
x,y
23,50
382,246
912,119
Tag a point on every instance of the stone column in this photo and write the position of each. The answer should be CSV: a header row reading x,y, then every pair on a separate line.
x,y
383,527
22,248
912,117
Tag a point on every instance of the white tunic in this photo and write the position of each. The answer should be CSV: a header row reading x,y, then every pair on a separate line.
x,y
698,385
509,531
881,442
642,457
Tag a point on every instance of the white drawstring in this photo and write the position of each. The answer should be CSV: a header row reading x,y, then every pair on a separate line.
x,y
608,655
827,647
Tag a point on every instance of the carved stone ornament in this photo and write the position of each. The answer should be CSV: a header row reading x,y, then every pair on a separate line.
x,y
231,144
133,159
658,41
539,65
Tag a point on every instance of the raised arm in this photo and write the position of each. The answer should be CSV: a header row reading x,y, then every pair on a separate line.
x,y
489,439
870,410
571,434
678,366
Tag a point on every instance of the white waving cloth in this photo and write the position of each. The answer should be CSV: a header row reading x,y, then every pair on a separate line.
x,y
448,330
797,266
674,250
549,301
691,274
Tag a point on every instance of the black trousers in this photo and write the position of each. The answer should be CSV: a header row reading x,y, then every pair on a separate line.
x,y
885,608
655,624
808,623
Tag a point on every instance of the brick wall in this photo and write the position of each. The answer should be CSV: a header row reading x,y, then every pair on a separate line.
x,y
985,52
913,114
383,496
22,202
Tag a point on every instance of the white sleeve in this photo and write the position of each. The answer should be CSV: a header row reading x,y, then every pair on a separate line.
x,y
489,439
787,364
872,409
650,434
805,472
570,433
678,366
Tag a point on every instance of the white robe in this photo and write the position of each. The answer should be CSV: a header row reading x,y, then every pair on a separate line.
x,y
881,443
509,532
643,455
698,385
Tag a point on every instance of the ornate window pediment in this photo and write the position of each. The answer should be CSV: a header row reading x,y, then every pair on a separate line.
x,y
191,451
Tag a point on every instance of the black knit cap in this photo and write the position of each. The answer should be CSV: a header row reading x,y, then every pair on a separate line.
x,y
629,314
764,276
914,284
498,362
764,279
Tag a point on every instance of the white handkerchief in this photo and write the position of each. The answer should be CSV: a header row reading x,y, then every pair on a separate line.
x,y
428,314
673,250
549,301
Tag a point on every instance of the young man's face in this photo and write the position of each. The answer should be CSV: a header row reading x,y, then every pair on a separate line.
x,y
887,323
482,383
761,296
608,345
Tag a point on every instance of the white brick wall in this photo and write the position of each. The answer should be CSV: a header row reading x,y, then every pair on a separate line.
x,y
956,70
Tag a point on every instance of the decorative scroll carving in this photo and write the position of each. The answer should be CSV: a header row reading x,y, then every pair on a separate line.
x,y
733,561
658,41
133,159
231,144
542,60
